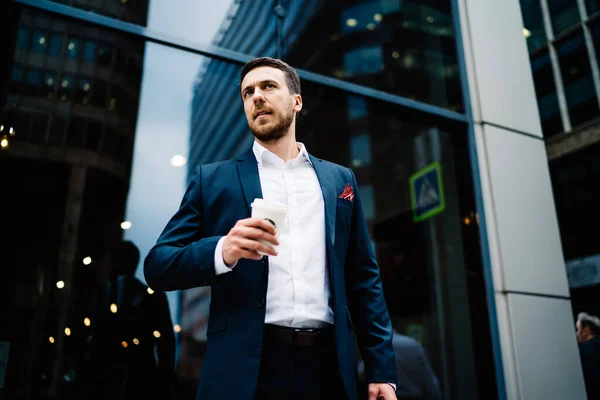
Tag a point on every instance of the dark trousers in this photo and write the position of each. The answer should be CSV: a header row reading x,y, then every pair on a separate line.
x,y
295,372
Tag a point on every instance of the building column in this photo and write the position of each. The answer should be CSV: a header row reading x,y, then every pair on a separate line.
x,y
538,354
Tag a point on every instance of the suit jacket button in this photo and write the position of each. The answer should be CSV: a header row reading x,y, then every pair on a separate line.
x,y
262,302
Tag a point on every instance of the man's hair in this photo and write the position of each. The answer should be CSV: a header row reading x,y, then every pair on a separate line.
x,y
125,257
590,321
291,76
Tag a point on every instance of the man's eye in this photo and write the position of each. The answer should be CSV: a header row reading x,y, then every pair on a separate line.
x,y
269,85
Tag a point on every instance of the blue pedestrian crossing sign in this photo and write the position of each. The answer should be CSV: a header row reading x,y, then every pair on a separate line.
x,y
427,192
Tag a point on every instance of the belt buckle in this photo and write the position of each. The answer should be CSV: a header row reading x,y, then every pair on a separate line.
x,y
298,332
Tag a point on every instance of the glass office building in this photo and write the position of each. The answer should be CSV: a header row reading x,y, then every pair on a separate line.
x,y
106,107
563,38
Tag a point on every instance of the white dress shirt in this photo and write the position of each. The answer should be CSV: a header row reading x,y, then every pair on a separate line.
x,y
298,289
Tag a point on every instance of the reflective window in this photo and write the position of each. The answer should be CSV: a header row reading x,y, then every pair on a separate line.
x,y
55,48
564,14
82,92
545,90
50,85
39,42
33,81
104,55
23,41
582,101
404,47
73,48
593,6
66,88
533,24
89,52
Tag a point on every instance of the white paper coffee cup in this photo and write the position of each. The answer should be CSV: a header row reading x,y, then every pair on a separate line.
x,y
275,213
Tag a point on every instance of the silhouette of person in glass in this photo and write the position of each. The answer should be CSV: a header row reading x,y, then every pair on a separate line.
x,y
588,336
133,341
416,379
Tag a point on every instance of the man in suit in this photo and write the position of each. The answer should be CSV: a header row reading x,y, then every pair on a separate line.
x,y
281,325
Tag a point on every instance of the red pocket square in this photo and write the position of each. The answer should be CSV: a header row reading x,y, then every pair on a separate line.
x,y
348,193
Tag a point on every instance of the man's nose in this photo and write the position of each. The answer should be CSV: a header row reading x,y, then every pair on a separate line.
x,y
258,97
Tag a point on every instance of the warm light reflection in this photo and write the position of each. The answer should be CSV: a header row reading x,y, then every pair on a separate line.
x,y
526,32
51,339
68,331
87,261
42,40
11,131
4,143
351,22
124,343
150,291
178,160
125,225
65,83
71,46
113,308
135,341
156,334
87,322
60,284
177,328
378,17
467,220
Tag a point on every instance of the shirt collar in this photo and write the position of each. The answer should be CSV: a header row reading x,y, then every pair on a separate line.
x,y
266,157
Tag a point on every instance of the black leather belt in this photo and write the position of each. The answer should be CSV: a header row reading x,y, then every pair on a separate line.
x,y
301,337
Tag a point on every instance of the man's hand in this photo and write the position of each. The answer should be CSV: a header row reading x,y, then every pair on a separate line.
x,y
242,241
381,391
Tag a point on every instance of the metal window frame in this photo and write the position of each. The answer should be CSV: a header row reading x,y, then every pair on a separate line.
x,y
558,82
589,44
231,56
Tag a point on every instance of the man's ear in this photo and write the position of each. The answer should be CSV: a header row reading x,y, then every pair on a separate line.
x,y
297,103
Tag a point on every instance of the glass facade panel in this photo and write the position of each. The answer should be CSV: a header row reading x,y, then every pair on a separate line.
x,y
574,60
403,47
545,90
592,6
564,14
533,24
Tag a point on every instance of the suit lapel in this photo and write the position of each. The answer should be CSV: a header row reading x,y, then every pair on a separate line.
x,y
327,183
249,178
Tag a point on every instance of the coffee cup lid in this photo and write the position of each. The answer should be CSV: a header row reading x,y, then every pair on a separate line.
x,y
269,204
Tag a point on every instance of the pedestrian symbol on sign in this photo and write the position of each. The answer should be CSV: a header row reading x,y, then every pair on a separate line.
x,y
427,192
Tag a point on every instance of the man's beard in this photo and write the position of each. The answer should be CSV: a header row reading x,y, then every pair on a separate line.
x,y
271,134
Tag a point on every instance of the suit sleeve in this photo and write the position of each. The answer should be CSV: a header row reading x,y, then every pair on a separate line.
x,y
182,258
366,301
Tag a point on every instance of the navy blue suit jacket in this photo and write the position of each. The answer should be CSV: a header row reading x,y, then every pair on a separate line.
x,y
217,197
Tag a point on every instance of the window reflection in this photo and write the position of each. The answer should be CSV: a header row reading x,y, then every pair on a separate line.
x,y
593,6
73,48
533,24
404,47
545,90
564,14
577,78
